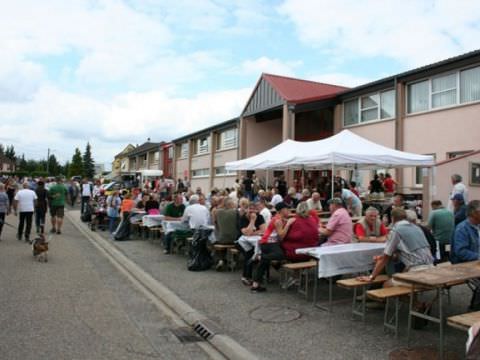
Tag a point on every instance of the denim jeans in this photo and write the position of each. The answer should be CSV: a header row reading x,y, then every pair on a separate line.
x,y
112,222
39,218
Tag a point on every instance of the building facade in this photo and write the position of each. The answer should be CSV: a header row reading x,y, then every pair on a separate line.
x,y
120,164
200,157
7,166
145,157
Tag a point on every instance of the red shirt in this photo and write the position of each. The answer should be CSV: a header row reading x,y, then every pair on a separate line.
x,y
303,233
388,185
360,231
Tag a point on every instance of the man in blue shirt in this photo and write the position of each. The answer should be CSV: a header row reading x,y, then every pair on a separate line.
x,y
465,242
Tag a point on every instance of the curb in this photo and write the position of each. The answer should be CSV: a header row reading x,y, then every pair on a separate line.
x,y
221,342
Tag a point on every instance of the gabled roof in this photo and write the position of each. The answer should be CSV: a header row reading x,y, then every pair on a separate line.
x,y
125,150
271,91
298,91
144,148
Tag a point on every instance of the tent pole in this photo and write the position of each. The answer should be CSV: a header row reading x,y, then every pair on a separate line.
x,y
333,178
266,179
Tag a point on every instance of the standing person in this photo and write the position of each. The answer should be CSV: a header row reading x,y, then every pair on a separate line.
x,y
41,207
4,206
126,208
180,186
459,208
24,205
87,191
57,194
376,185
352,201
11,189
389,184
458,188
442,223
282,186
248,187
113,207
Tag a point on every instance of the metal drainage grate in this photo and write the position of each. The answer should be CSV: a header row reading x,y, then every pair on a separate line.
x,y
186,335
206,329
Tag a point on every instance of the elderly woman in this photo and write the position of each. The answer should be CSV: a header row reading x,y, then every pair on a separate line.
x,y
303,233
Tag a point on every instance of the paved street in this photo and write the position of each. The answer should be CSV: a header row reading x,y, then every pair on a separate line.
x,y
77,306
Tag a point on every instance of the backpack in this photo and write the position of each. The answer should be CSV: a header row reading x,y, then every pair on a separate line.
x,y
200,258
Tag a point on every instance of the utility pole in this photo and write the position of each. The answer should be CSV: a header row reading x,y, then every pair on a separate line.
x,y
48,158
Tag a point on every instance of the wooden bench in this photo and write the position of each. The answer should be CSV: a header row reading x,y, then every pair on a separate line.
x,y
387,294
233,255
355,284
299,271
464,321
156,232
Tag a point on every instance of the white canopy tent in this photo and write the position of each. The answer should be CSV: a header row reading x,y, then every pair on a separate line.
x,y
344,150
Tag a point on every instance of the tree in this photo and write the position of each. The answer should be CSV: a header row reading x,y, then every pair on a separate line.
x,y
76,165
53,166
2,149
22,164
10,152
65,169
88,163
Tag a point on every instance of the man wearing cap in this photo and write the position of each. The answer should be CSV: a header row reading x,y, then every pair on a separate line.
x,y
459,208
339,229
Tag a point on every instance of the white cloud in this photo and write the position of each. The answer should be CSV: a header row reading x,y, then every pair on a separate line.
x,y
268,65
413,32
63,121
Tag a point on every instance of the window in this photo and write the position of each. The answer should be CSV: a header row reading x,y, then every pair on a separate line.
x,y
184,150
370,107
156,156
446,90
350,112
418,97
170,152
221,171
470,85
200,173
202,146
227,139
419,173
455,154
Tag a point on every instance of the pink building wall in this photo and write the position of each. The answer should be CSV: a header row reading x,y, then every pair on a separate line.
x,y
262,136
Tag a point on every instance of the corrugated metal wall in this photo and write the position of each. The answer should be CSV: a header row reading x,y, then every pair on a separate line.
x,y
265,98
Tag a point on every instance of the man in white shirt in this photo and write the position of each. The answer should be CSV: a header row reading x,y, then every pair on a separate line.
x,y
264,211
24,206
276,198
196,214
458,188
314,202
86,190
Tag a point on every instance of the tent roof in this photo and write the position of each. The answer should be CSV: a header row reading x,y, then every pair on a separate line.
x,y
344,150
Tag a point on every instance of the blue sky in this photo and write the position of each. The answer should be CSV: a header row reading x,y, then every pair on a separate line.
x,y
114,72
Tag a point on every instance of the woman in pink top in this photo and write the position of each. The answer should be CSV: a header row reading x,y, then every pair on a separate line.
x,y
339,229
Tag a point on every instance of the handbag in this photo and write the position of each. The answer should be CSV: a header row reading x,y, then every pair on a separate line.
x,y
272,251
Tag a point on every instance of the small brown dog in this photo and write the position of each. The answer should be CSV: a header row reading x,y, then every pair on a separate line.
x,y
40,248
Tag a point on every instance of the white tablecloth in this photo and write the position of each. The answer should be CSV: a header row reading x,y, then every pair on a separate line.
x,y
249,242
344,259
152,220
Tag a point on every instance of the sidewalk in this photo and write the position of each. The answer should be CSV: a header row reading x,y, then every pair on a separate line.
x,y
315,334
77,306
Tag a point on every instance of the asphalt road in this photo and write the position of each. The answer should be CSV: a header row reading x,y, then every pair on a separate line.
x,y
78,306
315,334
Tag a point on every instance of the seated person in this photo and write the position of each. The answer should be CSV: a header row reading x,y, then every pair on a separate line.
x,y
466,239
459,208
397,203
173,212
264,211
413,218
195,214
370,228
226,223
142,202
407,243
290,199
152,206
270,244
339,229
250,223
314,203
303,233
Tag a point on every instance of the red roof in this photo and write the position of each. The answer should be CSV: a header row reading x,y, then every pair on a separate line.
x,y
301,91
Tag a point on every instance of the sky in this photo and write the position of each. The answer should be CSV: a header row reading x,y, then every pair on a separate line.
x,y
113,72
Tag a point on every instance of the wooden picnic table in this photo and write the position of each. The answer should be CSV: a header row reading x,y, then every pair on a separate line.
x,y
437,278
